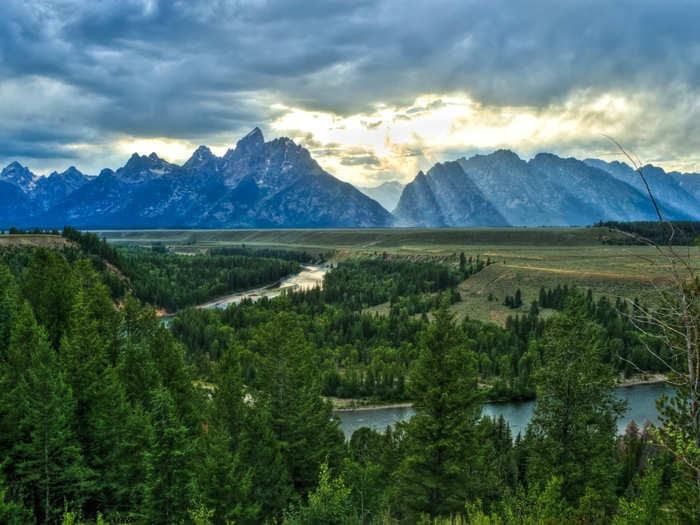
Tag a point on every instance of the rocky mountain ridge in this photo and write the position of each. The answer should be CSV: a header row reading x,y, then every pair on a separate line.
x,y
277,184
257,184
501,189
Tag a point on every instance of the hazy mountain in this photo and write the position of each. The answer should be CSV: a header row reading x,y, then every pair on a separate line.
x,y
15,207
387,194
277,184
445,196
666,188
49,191
520,195
502,189
690,182
256,184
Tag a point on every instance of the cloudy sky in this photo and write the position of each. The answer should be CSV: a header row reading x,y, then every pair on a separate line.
x,y
376,89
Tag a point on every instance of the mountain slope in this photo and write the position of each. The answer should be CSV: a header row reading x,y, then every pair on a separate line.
x,y
257,184
522,196
15,207
446,196
387,194
672,197
502,189
49,191
19,176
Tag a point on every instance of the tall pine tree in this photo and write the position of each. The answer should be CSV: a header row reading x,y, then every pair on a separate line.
x,y
444,461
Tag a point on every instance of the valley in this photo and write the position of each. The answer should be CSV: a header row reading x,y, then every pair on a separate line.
x,y
524,258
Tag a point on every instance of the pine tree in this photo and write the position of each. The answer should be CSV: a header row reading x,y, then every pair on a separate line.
x,y
573,427
243,476
47,455
9,302
170,484
329,504
443,462
48,285
302,421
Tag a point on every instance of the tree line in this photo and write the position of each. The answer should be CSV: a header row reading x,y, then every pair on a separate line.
x,y
104,417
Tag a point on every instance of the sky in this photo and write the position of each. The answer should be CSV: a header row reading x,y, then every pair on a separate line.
x,y
375,89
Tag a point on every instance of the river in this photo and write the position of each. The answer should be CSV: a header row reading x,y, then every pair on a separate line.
x,y
307,278
640,408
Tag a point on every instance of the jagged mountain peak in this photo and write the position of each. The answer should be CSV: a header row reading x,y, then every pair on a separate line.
x,y
20,176
14,165
70,172
501,155
252,141
201,157
142,162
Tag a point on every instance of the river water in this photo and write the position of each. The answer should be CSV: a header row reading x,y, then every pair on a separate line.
x,y
307,278
640,399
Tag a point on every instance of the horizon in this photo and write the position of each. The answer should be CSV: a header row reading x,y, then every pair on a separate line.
x,y
365,86
221,151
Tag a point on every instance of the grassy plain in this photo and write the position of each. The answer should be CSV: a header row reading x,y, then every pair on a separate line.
x,y
525,258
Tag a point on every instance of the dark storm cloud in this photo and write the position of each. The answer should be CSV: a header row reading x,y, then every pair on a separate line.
x,y
191,70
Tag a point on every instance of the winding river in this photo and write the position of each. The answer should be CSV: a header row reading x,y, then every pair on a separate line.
x,y
640,408
640,398
308,277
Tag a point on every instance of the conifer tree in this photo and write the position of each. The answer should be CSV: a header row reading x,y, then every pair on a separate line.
x,y
573,427
302,421
48,285
9,302
47,455
443,461
170,484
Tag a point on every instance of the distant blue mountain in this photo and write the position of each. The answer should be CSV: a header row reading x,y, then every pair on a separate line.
x,y
277,184
257,184
501,189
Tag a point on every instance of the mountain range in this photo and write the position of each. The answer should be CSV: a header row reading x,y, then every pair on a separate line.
x,y
387,193
501,189
257,184
277,184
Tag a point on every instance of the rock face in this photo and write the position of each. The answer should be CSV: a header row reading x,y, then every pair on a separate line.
x,y
387,194
277,184
446,196
19,176
501,189
257,184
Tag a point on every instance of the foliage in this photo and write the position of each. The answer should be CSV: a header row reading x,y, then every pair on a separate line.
x,y
107,416
572,432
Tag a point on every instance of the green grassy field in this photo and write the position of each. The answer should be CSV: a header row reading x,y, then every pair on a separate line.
x,y
525,258
397,240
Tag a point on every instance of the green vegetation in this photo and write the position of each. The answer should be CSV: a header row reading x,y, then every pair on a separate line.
x,y
107,415
174,281
364,355
642,233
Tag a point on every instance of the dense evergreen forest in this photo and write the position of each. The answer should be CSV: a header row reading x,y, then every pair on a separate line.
x,y
643,232
108,415
173,281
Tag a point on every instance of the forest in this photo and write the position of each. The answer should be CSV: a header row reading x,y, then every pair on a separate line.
x,y
645,232
108,415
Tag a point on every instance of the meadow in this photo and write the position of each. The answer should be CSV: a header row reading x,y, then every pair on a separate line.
x,y
523,258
